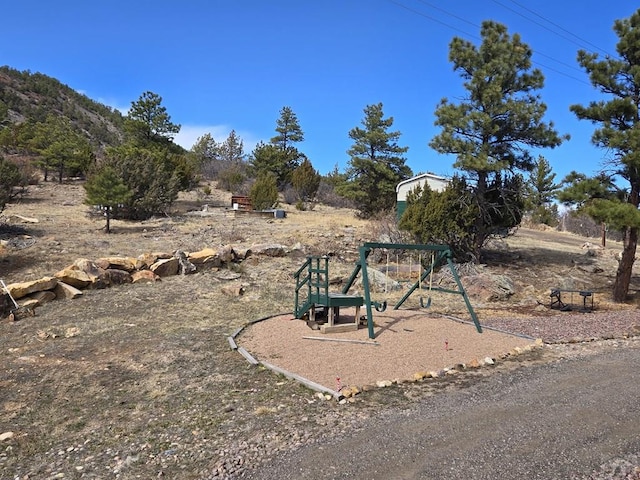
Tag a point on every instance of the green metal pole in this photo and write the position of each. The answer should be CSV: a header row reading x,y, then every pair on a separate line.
x,y
422,278
464,295
357,269
364,253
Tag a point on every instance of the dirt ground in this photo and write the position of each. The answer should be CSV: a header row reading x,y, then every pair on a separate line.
x,y
138,381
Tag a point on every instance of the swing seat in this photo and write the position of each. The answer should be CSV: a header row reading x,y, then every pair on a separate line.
x,y
422,302
427,305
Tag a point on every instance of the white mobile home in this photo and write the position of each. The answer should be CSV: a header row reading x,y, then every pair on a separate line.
x,y
435,183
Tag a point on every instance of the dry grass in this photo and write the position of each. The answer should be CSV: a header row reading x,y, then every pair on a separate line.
x,y
139,381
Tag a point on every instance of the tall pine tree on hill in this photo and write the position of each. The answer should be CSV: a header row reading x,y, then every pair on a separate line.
x,y
376,165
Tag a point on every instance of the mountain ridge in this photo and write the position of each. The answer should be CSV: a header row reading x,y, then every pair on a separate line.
x,y
32,97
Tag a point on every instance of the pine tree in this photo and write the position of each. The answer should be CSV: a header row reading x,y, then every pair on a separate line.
x,y
376,164
10,179
233,166
264,192
491,130
148,120
106,190
61,148
205,153
305,181
541,190
619,132
280,156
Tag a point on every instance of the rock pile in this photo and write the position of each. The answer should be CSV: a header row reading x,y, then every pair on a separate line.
x,y
104,272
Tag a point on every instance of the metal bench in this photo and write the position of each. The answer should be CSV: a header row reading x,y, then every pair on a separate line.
x,y
560,303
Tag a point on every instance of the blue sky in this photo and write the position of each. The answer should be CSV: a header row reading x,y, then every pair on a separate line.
x,y
233,64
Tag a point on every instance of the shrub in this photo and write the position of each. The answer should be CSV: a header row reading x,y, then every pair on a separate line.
x,y
264,192
10,179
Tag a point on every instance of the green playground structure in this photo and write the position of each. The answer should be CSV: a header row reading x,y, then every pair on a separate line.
x,y
312,286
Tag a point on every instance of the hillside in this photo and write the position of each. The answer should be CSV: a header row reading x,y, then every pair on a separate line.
x,y
33,96
139,381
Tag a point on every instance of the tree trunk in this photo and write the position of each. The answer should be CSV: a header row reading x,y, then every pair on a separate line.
x,y
108,226
479,225
625,267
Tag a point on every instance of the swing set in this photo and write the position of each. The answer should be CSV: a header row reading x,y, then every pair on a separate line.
x,y
423,304
439,255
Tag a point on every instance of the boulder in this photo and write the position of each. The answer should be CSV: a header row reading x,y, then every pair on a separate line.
x,y
242,253
233,290
117,277
74,276
42,297
96,274
6,305
185,266
208,257
379,281
64,290
22,289
147,259
489,288
227,254
269,250
144,276
128,264
166,267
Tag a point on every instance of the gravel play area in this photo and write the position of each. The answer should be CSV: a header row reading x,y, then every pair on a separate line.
x,y
406,342
412,341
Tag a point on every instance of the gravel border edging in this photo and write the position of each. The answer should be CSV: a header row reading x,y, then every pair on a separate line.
x,y
252,360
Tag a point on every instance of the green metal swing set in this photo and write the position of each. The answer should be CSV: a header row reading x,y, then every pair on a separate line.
x,y
313,278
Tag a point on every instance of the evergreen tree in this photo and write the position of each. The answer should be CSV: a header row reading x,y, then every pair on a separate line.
x,y
445,217
151,177
10,179
288,128
542,184
61,148
205,153
148,120
305,181
491,129
233,166
231,151
106,190
280,156
376,165
618,79
541,190
264,192
268,158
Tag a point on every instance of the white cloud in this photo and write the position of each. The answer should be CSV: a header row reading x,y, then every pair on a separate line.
x,y
123,109
189,134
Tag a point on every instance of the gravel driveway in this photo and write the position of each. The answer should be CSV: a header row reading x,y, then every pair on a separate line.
x,y
576,418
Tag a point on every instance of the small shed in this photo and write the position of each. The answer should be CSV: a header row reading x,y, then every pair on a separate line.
x,y
241,202
435,183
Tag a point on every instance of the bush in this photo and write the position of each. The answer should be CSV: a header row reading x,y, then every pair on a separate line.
x,y
327,195
445,218
150,176
11,179
264,192
289,195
